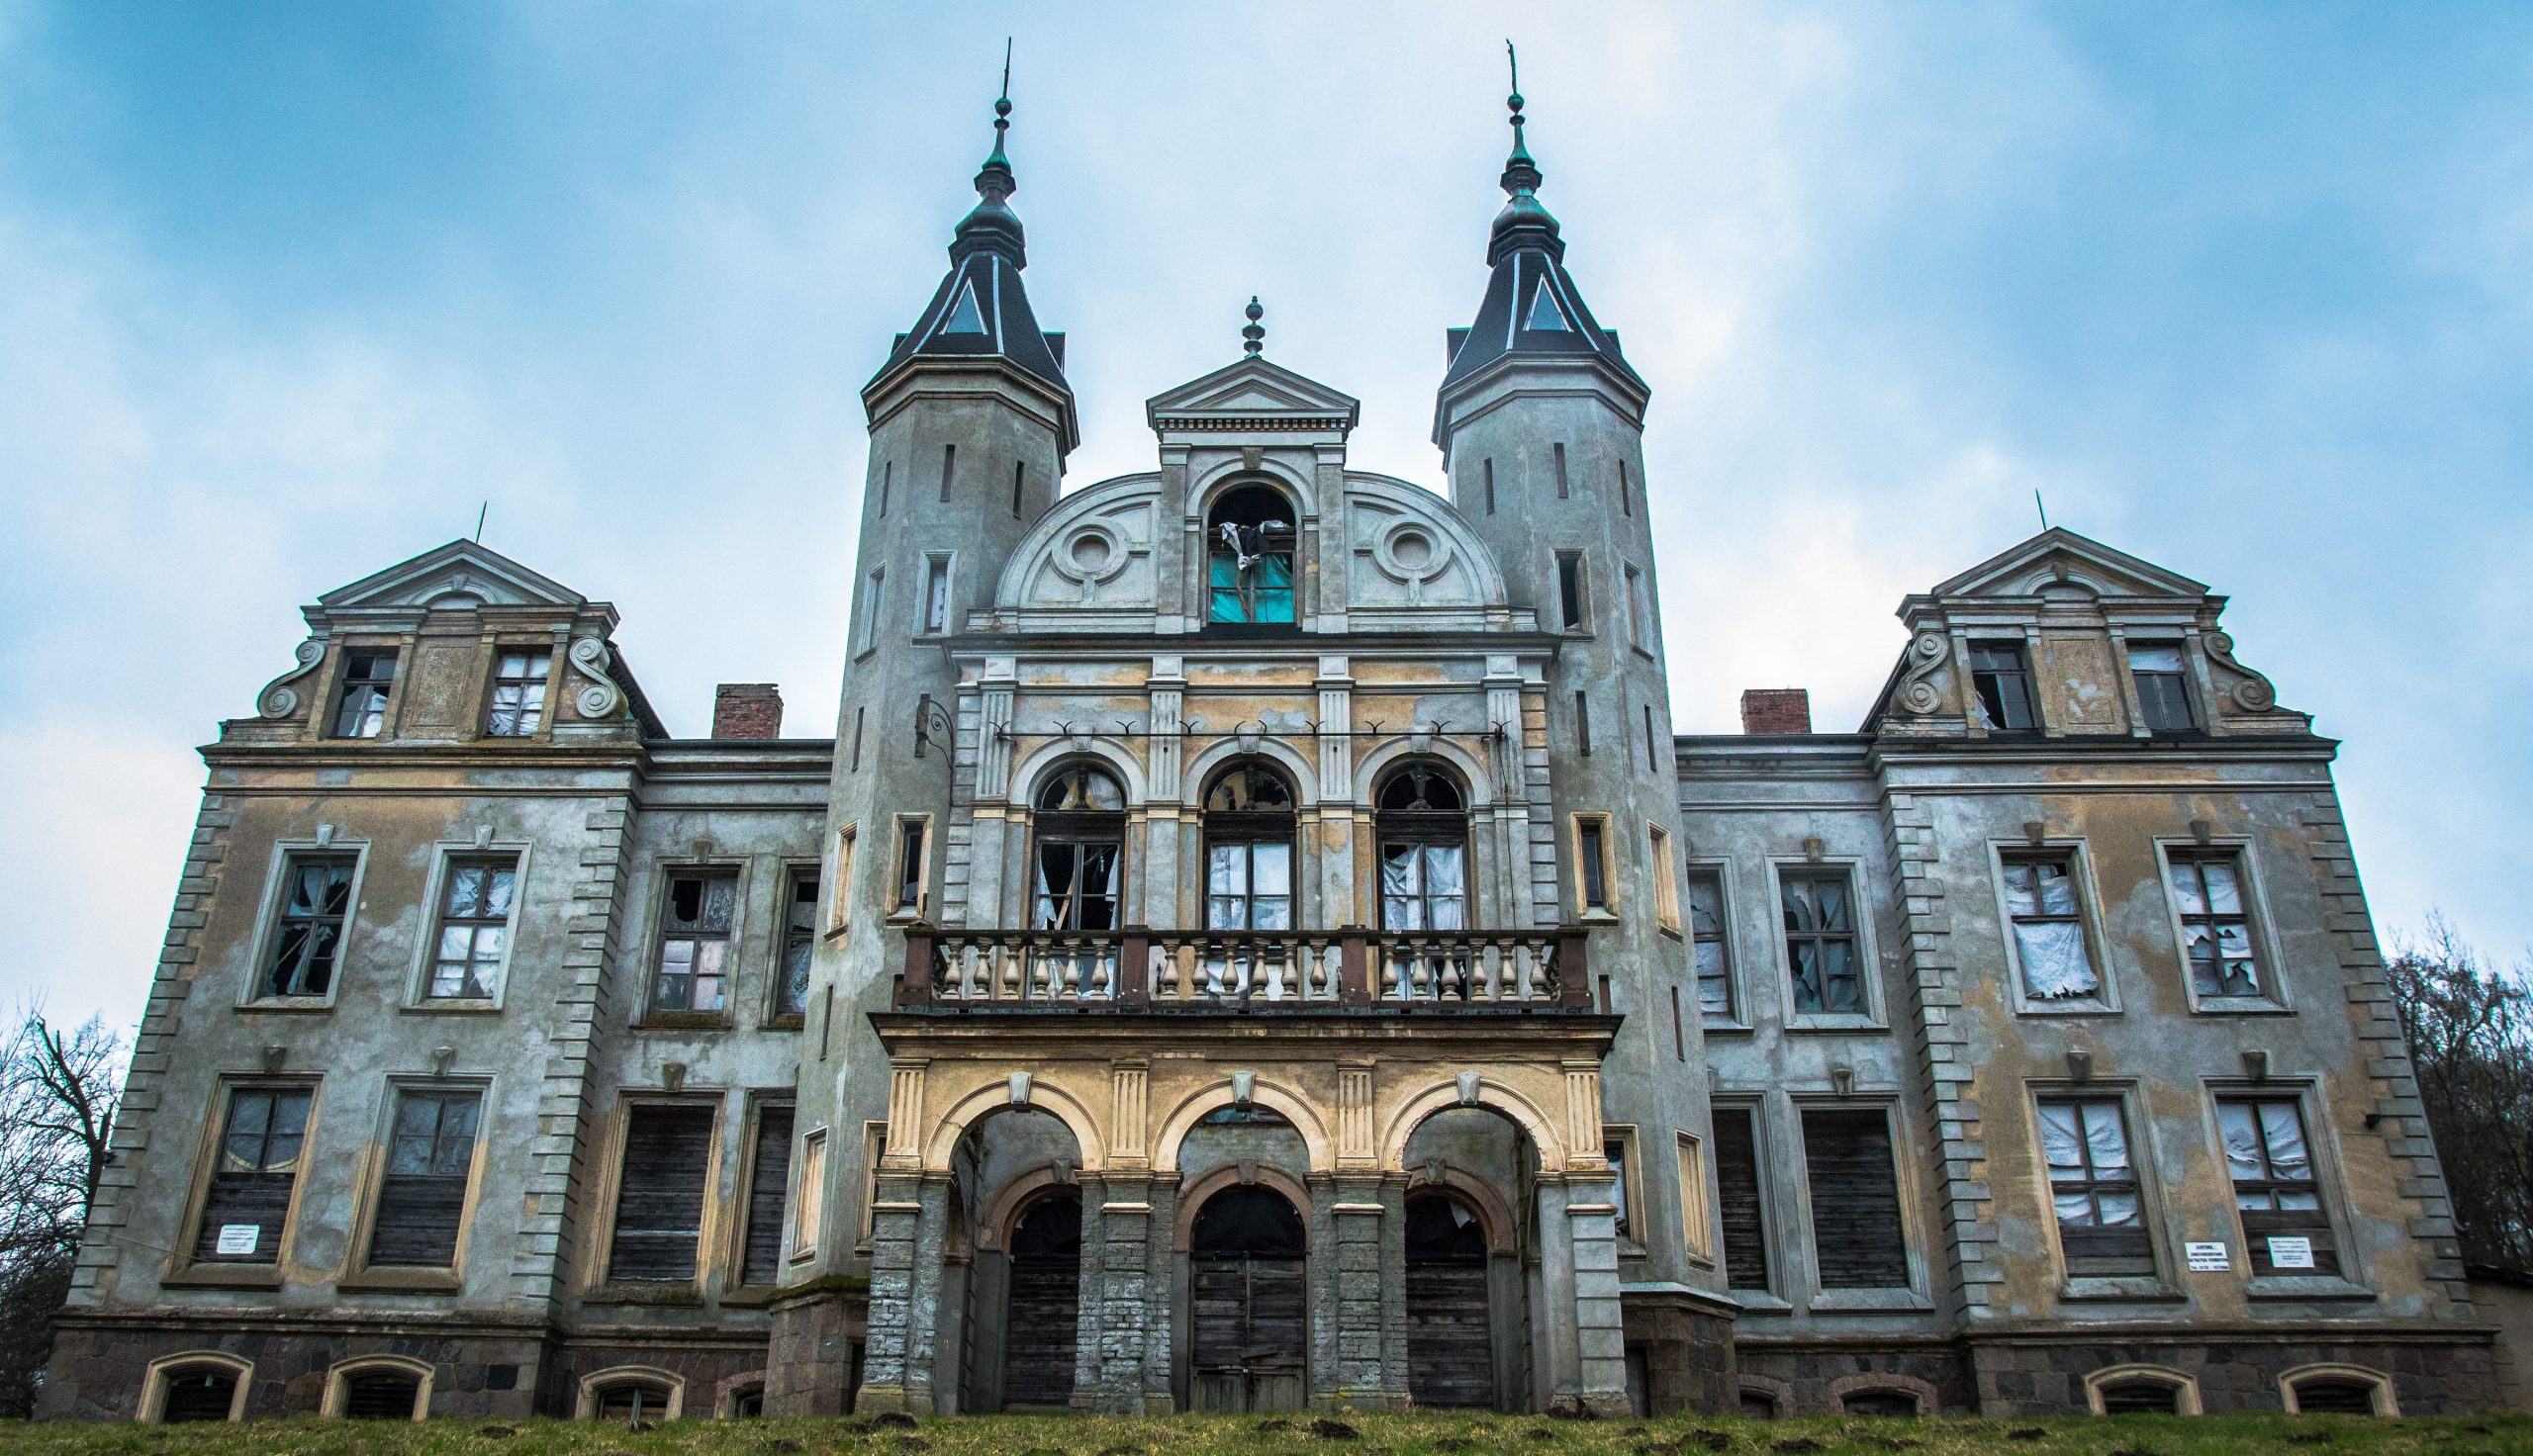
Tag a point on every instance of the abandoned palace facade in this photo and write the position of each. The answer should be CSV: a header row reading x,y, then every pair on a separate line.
x,y
1253,941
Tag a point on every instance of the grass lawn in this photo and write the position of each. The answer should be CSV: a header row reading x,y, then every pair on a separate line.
x,y
1298,1435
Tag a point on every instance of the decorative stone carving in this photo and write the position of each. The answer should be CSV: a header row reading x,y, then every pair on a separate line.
x,y
1917,691
1244,1088
602,697
672,1076
279,700
1469,1088
1019,1087
2254,694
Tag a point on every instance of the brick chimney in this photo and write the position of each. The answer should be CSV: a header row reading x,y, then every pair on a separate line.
x,y
1776,710
747,710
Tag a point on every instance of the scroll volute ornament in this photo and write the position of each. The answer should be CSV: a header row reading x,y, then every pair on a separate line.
x,y
1917,691
600,696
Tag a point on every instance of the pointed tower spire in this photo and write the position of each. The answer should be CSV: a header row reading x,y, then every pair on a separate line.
x,y
993,225
1524,223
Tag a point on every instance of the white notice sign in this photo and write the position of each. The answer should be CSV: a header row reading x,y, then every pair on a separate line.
x,y
2290,1253
2207,1258
240,1239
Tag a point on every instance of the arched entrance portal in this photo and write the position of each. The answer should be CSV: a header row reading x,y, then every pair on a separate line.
x,y
1245,1271
1450,1344
1042,1313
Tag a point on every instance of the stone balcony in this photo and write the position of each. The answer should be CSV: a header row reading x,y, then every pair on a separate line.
x,y
1139,969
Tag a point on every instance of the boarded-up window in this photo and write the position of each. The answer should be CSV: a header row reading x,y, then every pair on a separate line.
x,y
659,1198
1856,1237
2276,1188
253,1175
381,1394
2092,1188
812,1202
1736,1196
769,1174
423,1197
1697,1220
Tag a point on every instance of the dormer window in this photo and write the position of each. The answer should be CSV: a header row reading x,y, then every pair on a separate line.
x,y
1249,558
361,709
2001,678
517,705
2161,695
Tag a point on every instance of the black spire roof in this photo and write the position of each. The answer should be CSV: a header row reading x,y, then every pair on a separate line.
x,y
1531,306
981,309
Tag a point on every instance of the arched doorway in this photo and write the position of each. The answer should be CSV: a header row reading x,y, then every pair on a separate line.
x,y
1249,1325
1042,1310
1451,1330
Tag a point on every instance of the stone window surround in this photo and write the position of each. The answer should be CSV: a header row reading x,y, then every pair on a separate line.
x,y
653,913
585,1404
370,1184
1738,1019
2080,862
2330,1185
1631,1177
268,921
182,1268
1607,912
153,1388
2386,1401
2275,1000
947,562
1875,1016
901,912
1929,1402
610,1184
770,1008
339,1381
2153,1209
1907,1178
2185,1387
732,1389
1697,1199
840,883
1772,1231
557,660
329,706
418,983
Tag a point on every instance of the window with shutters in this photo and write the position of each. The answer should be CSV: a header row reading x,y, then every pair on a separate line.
x,y
254,1171
1857,1239
516,708
309,926
472,942
2045,932
660,1191
1824,956
769,1180
2212,899
2278,1192
422,1195
1738,1201
699,910
799,943
2092,1188
1709,945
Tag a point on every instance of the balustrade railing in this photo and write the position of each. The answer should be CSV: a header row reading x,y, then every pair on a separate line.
x,y
1258,971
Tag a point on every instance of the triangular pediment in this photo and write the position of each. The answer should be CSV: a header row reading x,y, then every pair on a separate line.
x,y
2061,557
1253,390
461,574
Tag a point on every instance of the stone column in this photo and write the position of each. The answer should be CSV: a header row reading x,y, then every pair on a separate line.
x,y
1121,1307
1600,1330
1370,1268
1160,1286
906,1228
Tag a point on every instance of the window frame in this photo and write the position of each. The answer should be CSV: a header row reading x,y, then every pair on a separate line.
x,y
1639,613
1079,830
743,1215
446,857
1421,830
1870,1016
268,921
939,569
707,1251
1697,1201
1209,544
1629,1203
1249,828
2193,714
340,1376
649,1013
787,886
1735,1012
1772,1241
873,589
1914,1294
183,1267
2183,1386
902,911
545,684
1586,909
2003,852
839,924
1989,722
1573,616
152,1408
1662,865
2331,1209
807,1222
2138,1130
388,702
2274,999
361,1270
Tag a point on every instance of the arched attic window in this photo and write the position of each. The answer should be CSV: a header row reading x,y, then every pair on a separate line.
x,y
1249,558
1080,831
1422,821
1249,849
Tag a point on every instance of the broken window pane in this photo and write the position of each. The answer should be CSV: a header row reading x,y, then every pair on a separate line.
x,y
2094,1188
799,940
422,1200
2048,934
2001,683
695,939
517,705
1821,942
2277,1192
2161,694
474,929
1705,936
2217,934
315,899
248,1197
361,711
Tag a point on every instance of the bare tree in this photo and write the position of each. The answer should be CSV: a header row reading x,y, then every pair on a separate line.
x,y
2471,1036
59,1091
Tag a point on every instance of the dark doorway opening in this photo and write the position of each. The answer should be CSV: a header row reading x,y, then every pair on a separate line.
x,y
1245,1272
1450,1337
1042,1323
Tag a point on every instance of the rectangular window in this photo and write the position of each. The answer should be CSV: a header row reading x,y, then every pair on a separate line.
x,y
1622,1186
1679,1029
1582,723
2048,931
2215,922
887,478
910,866
1820,951
1652,763
1019,479
800,938
660,1191
1737,1199
1488,471
253,1175
1667,873
422,1200
1640,613
517,706
696,919
857,739
875,592
1591,862
1707,940
2001,680
2161,695
2093,1186
1856,1235
1697,1220
1571,600
360,710
769,1179
1626,507
949,468
841,916
2277,1192
875,1147
474,929
308,937
1560,473
813,1200
936,594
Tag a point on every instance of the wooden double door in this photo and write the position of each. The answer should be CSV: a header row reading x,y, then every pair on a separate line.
x,y
1042,1320
1451,1341
1251,1313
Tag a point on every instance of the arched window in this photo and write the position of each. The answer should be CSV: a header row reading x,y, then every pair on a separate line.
x,y
382,1394
2340,1391
198,1393
1080,829
632,1401
1757,1405
2137,1396
1879,1401
1248,850
1422,822
1249,556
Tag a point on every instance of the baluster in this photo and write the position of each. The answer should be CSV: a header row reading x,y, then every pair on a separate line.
x,y
1481,971
970,978
1323,972
1104,971
1536,971
1420,971
1068,958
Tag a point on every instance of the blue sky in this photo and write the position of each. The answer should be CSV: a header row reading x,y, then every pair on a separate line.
x,y
288,289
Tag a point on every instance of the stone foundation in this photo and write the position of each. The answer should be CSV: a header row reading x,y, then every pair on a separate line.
x,y
2430,1377
101,1367
1685,1344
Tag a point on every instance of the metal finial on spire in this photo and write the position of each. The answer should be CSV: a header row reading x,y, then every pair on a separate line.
x,y
1252,335
1002,107
1513,103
